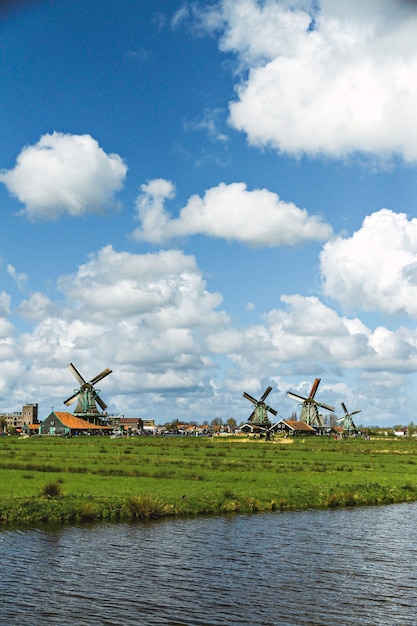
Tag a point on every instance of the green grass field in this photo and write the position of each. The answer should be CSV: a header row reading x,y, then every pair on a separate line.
x,y
96,478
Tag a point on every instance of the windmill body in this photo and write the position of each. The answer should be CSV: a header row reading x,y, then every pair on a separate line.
x,y
348,424
310,407
87,397
310,414
259,420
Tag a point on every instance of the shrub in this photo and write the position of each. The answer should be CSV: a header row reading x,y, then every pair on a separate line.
x,y
52,490
87,512
230,506
146,507
254,505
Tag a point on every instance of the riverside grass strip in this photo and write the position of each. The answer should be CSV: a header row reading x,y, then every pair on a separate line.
x,y
51,479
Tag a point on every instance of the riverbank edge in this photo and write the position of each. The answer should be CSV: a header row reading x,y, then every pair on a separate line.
x,y
67,509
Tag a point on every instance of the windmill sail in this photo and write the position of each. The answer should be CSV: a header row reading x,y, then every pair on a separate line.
x,y
309,409
87,396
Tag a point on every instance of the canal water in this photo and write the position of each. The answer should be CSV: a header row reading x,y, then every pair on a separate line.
x,y
336,567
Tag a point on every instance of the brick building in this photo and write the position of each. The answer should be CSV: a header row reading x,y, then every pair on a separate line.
x,y
27,416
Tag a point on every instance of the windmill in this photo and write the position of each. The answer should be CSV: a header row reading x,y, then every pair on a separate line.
x,y
258,419
86,395
309,410
347,420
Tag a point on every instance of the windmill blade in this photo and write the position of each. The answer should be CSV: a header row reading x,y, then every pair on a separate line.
x,y
266,393
325,406
314,388
250,398
251,416
344,408
355,412
100,402
76,373
295,396
100,376
273,411
72,398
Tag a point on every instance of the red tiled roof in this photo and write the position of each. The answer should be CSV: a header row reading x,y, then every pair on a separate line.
x,y
71,421
298,425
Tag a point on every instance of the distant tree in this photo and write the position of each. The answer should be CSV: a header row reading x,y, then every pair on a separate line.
x,y
3,423
332,419
217,421
172,426
231,423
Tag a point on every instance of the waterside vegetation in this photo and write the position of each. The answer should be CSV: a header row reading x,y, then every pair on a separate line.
x,y
50,479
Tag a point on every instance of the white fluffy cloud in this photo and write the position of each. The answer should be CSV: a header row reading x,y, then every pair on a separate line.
x,y
306,339
307,333
255,218
376,268
146,316
331,81
4,303
6,327
309,330
175,353
64,175
166,286
11,365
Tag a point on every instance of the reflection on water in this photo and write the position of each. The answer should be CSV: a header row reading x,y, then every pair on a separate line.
x,y
351,566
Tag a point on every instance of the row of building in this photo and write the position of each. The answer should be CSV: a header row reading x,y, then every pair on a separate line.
x,y
27,421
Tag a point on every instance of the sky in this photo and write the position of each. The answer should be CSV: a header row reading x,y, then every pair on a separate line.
x,y
209,198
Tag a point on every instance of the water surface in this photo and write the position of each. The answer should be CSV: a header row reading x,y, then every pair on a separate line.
x,y
337,567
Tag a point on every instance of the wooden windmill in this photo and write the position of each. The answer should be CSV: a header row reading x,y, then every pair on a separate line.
x,y
258,420
348,424
309,409
87,396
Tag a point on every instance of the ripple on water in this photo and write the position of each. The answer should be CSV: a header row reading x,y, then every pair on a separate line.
x,y
350,567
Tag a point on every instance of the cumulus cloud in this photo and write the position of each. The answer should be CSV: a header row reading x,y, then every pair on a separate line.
x,y
256,218
166,286
11,371
146,316
7,330
38,307
305,336
64,174
152,319
5,300
304,339
376,268
332,80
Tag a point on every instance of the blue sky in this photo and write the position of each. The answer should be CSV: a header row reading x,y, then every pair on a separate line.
x,y
209,198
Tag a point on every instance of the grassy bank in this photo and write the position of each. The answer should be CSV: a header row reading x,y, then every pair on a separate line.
x,y
96,478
